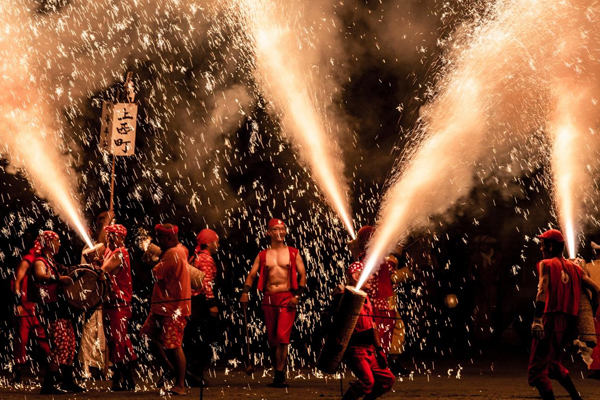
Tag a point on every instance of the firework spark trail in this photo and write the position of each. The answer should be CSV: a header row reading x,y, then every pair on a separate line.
x,y
275,51
573,118
432,173
566,167
28,142
496,89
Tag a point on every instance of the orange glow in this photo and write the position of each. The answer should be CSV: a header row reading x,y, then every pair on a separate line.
x,y
29,142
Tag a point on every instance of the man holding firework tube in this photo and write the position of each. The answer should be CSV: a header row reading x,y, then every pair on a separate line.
x,y
556,310
365,355
117,308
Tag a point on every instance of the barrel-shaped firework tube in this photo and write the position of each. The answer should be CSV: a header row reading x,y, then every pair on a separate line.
x,y
585,321
341,330
151,254
94,254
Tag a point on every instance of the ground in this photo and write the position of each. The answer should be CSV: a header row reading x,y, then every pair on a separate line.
x,y
497,376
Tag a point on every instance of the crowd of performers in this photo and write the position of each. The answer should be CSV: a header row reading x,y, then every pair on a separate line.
x,y
181,321
44,314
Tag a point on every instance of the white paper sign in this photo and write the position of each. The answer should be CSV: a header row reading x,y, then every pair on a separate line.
x,y
118,127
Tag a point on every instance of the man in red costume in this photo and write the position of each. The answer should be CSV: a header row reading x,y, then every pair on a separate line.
x,y
117,308
555,322
593,268
202,329
26,319
171,303
56,315
282,278
364,355
381,291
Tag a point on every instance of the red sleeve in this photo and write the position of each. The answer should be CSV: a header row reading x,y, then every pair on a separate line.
x,y
207,265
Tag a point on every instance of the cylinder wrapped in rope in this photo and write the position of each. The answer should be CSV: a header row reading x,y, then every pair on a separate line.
x,y
585,321
341,330
94,255
152,256
151,253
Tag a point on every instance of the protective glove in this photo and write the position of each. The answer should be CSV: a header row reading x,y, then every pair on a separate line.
x,y
537,328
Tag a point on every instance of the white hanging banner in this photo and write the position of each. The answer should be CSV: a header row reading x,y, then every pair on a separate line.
x,y
118,127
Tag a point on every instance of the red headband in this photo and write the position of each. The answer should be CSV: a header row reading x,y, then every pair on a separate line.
x,y
355,267
43,240
161,229
275,221
363,236
116,228
207,236
552,234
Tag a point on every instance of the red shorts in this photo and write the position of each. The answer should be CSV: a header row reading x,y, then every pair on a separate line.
x,y
116,324
168,330
25,327
279,318
62,341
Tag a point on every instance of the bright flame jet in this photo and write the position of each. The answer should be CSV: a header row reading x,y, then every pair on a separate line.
x,y
278,73
27,142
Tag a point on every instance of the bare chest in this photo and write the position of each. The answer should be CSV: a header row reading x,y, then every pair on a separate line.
x,y
278,259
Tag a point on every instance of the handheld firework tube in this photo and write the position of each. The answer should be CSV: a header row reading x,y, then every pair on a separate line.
x,y
585,321
341,330
94,254
152,256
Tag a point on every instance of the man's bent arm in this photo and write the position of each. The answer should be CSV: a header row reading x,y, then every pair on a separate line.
x,y
112,263
20,275
301,270
253,272
542,293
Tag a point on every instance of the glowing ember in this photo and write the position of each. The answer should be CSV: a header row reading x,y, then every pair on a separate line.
x,y
145,243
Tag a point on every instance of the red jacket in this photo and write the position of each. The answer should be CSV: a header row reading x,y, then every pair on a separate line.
x,y
172,290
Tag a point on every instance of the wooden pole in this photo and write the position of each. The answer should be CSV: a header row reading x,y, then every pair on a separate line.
x,y
112,185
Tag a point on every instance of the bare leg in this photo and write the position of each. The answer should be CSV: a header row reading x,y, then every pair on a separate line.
x,y
281,356
280,353
178,358
160,351
274,357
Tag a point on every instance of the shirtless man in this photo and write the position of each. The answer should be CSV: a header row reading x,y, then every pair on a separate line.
x,y
282,278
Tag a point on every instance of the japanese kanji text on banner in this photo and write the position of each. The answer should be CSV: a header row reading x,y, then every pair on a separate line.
x,y
118,128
